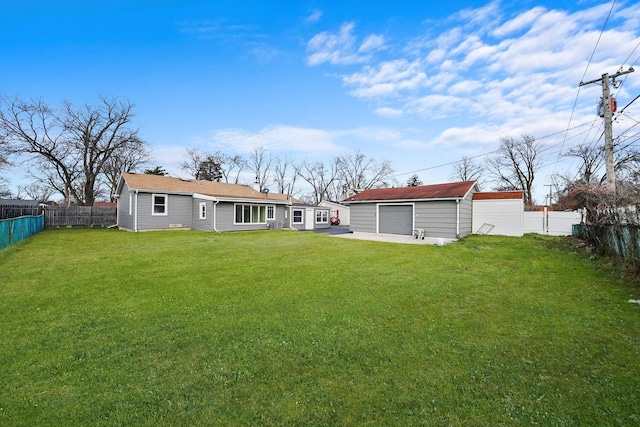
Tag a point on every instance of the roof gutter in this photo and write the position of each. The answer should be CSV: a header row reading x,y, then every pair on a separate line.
x,y
435,199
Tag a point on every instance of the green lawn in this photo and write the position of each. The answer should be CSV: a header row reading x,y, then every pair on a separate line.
x,y
105,327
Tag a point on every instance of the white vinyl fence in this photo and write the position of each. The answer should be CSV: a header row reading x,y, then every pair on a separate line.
x,y
551,222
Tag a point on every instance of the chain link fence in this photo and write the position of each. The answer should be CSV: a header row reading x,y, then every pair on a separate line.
x,y
14,230
620,240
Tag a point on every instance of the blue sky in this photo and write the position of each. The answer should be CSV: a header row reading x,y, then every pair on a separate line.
x,y
419,83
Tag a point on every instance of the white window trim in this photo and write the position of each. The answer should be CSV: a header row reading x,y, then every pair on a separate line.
x,y
251,205
166,204
324,216
273,211
202,210
293,216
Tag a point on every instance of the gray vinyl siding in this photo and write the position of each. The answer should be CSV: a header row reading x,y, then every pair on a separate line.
x,y
466,215
201,224
178,212
301,225
438,218
124,219
363,218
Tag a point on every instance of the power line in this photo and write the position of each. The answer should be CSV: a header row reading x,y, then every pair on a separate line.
x,y
575,102
489,153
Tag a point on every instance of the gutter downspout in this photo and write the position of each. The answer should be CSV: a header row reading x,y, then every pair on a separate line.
x,y
135,215
457,218
215,215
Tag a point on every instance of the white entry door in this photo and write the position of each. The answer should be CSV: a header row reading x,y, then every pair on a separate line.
x,y
309,218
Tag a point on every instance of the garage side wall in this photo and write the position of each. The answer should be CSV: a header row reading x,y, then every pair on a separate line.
x,y
438,218
505,215
363,217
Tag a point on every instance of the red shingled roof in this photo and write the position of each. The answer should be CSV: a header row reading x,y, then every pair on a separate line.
x,y
499,195
453,190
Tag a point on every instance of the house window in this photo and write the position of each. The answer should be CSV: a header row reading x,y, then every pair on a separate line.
x,y
203,210
322,217
159,206
271,212
251,214
297,216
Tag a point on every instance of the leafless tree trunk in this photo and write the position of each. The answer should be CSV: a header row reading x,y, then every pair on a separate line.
x,y
467,170
285,176
515,165
232,166
319,177
261,164
192,160
358,172
125,159
75,143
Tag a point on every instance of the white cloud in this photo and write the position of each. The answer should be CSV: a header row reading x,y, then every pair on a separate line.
x,y
389,112
313,17
520,22
492,69
340,48
388,79
276,138
371,43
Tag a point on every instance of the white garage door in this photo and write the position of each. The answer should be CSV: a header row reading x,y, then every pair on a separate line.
x,y
396,219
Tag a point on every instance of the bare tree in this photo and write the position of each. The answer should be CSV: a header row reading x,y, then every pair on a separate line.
x,y
515,165
319,177
261,164
4,162
285,176
467,170
356,171
231,166
37,191
192,160
74,143
125,159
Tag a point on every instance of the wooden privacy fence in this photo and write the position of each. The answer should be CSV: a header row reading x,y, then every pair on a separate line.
x,y
79,216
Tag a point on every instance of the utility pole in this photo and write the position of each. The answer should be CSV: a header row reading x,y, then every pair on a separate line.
x,y
550,191
608,129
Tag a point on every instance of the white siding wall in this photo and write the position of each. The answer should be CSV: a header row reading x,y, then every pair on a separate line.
x,y
552,223
506,215
338,210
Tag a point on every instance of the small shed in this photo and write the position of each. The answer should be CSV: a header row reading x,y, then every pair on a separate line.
x,y
499,213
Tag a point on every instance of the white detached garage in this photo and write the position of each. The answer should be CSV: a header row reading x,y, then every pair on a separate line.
x,y
499,213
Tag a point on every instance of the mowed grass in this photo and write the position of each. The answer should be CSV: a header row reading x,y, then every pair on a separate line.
x,y
105,327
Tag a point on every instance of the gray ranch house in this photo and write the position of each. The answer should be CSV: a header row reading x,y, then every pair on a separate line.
x,y
153,202
441,210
